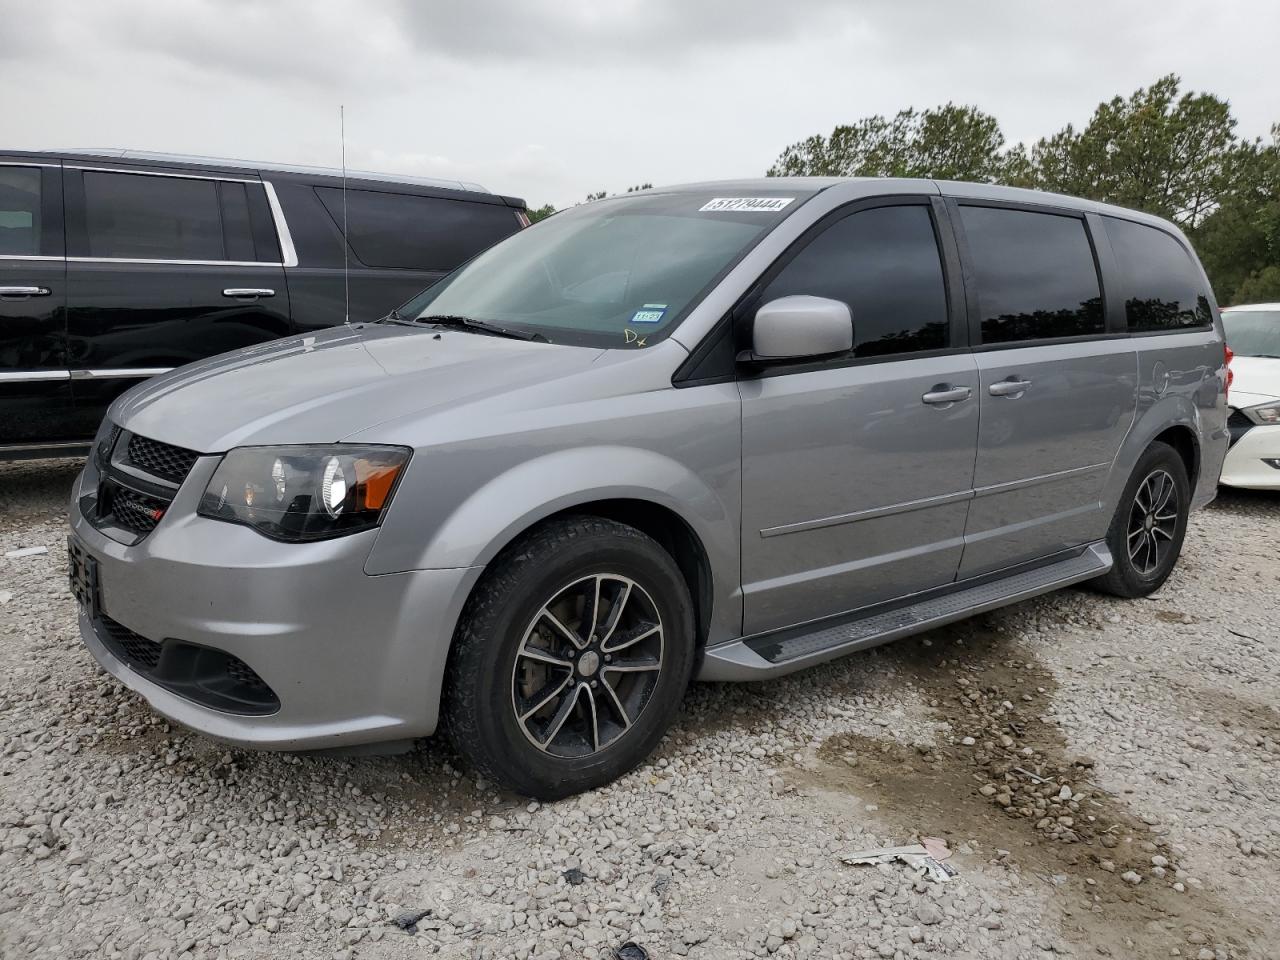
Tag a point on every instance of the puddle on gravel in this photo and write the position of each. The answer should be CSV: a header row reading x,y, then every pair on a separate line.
x,y
1006,791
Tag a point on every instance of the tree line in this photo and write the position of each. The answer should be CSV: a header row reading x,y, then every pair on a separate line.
x,y
1173,154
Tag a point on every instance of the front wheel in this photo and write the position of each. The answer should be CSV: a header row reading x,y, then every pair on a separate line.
x,y
571,658
1146,533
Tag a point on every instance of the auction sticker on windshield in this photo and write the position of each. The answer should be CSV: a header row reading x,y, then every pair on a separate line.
x,y
756,204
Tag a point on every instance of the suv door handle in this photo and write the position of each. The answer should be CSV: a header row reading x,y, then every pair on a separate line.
x,y
248,293
24,291
946,394
1013,387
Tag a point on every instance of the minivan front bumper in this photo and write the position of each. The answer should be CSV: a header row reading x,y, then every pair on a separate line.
x,y
352,659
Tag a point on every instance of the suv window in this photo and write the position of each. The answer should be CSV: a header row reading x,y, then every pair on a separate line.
x,y
19,211
409,232
1036,275
1165,289
151,217
884,263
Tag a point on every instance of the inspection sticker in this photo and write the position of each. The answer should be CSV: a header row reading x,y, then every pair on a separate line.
x,y
754,204
649,313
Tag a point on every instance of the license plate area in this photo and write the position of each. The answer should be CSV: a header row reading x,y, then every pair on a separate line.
x,y
82,573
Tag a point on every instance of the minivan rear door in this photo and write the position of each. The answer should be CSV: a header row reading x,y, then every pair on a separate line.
x,y
35,392
1057,382
164,267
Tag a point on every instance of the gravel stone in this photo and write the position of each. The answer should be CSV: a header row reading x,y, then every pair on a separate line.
x,y
1093,763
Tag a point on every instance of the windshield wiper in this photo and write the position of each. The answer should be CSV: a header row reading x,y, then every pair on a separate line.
x,y
484,326
392,317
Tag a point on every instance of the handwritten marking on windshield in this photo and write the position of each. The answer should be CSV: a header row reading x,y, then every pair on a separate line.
x,y
630,336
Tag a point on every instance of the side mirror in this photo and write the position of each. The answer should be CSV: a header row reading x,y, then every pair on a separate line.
x,y
792,328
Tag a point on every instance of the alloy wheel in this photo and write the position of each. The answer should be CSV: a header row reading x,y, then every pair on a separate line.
x,y
587,665
1153,522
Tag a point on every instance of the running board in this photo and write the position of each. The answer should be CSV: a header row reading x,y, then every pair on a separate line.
x,y
773,654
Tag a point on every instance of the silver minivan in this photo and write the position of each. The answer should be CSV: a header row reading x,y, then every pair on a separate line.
x,y
725,430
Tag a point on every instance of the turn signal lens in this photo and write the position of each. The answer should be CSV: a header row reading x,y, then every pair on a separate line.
x,y
304,493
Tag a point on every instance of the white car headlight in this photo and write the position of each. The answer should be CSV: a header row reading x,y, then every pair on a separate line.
x,y
1264,413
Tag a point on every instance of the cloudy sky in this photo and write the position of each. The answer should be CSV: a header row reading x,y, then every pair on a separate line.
x,y
551,99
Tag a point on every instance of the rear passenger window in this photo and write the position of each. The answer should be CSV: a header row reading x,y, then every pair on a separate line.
x,y
135,216
1165,289
237,234
19,211
417,233
884,263
1036,275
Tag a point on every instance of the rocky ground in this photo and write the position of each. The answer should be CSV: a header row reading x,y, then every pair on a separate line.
x,y
1103,771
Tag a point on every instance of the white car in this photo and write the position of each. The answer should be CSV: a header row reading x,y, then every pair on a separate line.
x,y
1253,334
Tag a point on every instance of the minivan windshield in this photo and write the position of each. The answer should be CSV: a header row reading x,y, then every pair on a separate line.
x,y
1252,333
619,273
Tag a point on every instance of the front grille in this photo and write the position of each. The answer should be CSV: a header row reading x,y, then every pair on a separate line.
x,y
137,651
161,459
136,512
138,479
1238,425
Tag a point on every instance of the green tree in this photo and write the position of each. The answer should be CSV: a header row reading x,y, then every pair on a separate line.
x,y
541,213
1239,242
1155,150
950,142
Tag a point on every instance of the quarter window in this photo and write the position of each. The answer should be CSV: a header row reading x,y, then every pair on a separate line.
x,y
19,211
134,216
417,233
884,263
1035,273
1165,289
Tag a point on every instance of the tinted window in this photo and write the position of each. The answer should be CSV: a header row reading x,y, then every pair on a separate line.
x,y
422,233
19,211
237,234
1036,275
152,218
884,264
1165,289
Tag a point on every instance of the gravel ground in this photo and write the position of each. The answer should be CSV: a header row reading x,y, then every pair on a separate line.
x,y
1103,771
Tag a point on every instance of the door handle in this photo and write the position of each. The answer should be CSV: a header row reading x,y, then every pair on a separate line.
x,y
248,293
943,394
24,291
1013,387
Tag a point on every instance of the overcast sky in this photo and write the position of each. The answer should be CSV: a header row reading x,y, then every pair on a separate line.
x,y
550,99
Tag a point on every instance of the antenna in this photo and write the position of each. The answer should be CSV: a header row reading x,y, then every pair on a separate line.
x,y
346,250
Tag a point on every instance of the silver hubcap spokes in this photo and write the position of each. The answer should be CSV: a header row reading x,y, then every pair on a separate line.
x,y
1153,520
587,665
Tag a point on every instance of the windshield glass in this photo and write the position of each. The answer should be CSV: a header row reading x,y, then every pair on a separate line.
x,y
614,273
1252,333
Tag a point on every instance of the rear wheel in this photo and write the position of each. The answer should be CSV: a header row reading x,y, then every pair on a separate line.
x,y
571,658
1146,533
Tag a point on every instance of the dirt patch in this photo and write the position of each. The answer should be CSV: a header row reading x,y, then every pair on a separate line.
x,y
1004,780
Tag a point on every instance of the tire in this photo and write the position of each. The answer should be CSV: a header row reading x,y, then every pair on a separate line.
x,y
1136,571
525,633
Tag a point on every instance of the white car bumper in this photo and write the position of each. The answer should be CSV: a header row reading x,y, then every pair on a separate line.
x,y
1254,460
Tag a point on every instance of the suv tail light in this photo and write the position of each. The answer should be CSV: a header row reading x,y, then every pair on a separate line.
x,y
523,218
1227,357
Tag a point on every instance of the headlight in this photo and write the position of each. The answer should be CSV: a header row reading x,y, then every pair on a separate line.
x,y
1265,413
304,493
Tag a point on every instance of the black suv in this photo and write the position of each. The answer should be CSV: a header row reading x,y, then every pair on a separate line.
x,y
118,265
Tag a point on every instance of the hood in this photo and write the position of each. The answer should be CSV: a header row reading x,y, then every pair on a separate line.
x,y
324,387
1254,380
